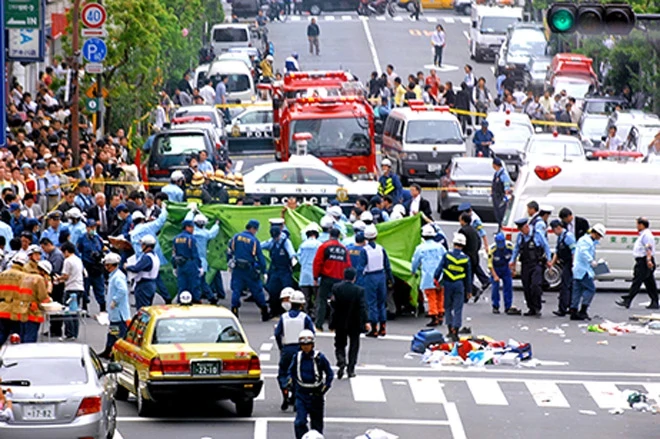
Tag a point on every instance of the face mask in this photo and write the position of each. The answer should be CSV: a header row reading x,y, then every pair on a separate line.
x,y
92,233
353,218
286,306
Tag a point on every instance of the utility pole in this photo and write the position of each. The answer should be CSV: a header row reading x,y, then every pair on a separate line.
x,y
75,100
99,99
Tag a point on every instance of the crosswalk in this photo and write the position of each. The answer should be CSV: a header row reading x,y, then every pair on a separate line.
x,y
398,18
545,393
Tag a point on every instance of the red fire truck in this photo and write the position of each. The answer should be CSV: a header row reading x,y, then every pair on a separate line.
x,y
329,106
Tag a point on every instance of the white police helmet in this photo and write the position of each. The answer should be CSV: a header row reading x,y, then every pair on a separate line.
x,y
428,231
137,215
306,336
286,293
33,249
298,297
200,220
359,225
312,434
74,213
370,232
148,240
327,222
177,176
111,259
459,239
20,259
45,266
335,211
366,216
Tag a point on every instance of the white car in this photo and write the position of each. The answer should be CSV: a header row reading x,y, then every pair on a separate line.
x,y
252,122
201,114
306,178
559,147
511,131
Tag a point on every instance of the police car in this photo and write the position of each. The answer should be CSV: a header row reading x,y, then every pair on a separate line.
x,y
511,131
251,130
306,178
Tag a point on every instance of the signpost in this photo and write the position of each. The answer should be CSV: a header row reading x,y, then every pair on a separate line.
x,y
22,14
94,15
25,30
94,50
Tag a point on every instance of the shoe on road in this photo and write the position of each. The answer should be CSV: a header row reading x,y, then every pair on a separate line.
x,y
340,373
496,310
513,311
623,303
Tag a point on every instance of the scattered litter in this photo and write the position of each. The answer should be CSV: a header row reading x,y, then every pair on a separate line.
x,y
648,327
103,319
556,331
602,342
565,325
469,319
645,303
588,412
568,340
654,325
412,355
616,411
376,433
583,325
473,351
633,347
524,328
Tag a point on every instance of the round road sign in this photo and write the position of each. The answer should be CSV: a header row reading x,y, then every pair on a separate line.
x,y
94,15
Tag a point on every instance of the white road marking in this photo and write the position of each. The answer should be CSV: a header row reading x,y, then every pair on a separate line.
x,y
262,395
261,429
449,20
427,391
546,394
295,18
654,390
346,17
444,68
367,389
492,69
117,435
432,19
381,18
397,19
465,20
289,419
329,18
466,35
239,166
263,357
455,423
486,392
372,47
606,395
266,347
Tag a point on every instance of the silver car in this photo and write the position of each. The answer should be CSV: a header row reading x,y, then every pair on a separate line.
x,y
59,391
467,179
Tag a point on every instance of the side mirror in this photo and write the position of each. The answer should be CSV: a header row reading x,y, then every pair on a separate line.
x,y
113,368
474,25
276,130
604,138
469,131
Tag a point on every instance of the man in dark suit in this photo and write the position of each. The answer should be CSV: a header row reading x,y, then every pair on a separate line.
x,y
575,224
103,214
349,319
472,245
417,204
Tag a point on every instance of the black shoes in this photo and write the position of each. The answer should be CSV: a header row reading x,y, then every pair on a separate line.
x,y
532,313
234,311
351,374
513,311
560,313
496,310
653,306
340,373
623,303
265,314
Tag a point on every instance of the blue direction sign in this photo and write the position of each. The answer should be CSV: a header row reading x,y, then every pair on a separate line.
x,y
3,89
94,50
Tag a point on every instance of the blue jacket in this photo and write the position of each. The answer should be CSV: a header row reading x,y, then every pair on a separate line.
x,y
53,234
426,256
478,225
585,253
279,329
149,228
390,185
5,231
307,367
480,137
174,192
83,202
203,236
75,232
446,262
87,246
306,254
118,292
184,247
245,246
17,225
539,240
358,257
144,263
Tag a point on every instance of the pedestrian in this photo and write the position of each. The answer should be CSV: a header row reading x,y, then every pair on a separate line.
x,y
202,237
146,271
499,257
311,376
500,190
358,255
74,286
481,98
483,139
10,283
90,249
426,256
306,253
438,42
186,261
388,182
291,63
564,256
313,32
584,263
471,247
463,100
532,247
469,78
282,261
289,326
377,277
575,224
349,321
643,271
119,309
477,224
417,8
455,273
247,262
221,95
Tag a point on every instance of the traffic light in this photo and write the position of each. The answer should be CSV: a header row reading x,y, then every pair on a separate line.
x,y
591,18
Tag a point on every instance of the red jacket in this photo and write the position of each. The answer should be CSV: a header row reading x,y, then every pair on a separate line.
x,y
331,260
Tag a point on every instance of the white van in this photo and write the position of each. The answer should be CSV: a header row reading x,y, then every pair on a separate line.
x,y
241,83
608,192
421,140
227,36
488,30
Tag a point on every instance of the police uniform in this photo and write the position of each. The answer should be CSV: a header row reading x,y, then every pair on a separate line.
x,y
146,269
500,186
311,376
244,252
90,249
286,336
376,275
499,258
456,274
533,250
187,263
280,273
565,249
151,228
173,192
358,256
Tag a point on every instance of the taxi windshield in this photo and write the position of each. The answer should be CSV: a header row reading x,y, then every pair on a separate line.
x,y
334,137
196,330
434,132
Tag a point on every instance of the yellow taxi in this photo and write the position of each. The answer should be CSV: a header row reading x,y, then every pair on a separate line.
x,y
195,351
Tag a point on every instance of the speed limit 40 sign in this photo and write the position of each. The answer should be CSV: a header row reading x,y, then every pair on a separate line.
x,y
94,15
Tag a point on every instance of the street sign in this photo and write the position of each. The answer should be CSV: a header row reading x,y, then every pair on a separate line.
x,y
3,88
22,14
94,50
95,68
94,15
91,92
92,105
25,45
91,33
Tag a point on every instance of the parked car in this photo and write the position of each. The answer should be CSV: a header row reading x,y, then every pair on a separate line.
x,y
469,179
511,131
560,147
592,128
524,41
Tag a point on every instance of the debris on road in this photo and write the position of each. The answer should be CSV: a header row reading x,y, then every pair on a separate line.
x,y
588,412
376,433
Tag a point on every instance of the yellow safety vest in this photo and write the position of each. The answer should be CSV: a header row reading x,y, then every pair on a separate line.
x,y
389,187
456,269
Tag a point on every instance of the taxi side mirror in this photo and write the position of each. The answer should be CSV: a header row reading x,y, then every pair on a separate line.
x,y
113,368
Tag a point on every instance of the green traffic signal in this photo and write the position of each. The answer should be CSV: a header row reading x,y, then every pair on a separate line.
x,y
562,20
591,18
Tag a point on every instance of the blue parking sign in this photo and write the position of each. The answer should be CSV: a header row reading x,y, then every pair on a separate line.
x,y
94,50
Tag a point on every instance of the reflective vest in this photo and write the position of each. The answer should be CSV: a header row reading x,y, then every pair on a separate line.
x,y
279,258
318,376
151,274
194,194
291,326
387,188
456,268
375,259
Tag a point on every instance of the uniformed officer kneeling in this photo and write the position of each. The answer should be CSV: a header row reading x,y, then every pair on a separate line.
x,y
311,375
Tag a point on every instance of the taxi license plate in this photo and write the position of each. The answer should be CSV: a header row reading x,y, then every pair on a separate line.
x,y
39,412
205,368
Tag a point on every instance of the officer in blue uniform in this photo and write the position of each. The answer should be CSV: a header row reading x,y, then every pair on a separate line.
x,y
76,225
90,249
377,275
55,227
282,260
500,190
327,223
389,183
287,330
146,269
478,225
142,228
247,262
203,236
185,258
173,189
311,376
499,257
564,255
358,226
306,254
358,255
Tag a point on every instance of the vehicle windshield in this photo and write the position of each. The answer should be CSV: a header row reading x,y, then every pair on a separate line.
x,y
555,148
196,330
527,41
574,88
59,371
540,67
602,107
230,35
594,127
497,25
473,168
180,144
334,137
434,132
512,133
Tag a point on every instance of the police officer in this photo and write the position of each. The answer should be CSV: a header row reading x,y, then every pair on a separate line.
x,y
186,261
54,226
10,282
247,262
426,256
196,192
311,376
358,255
500,191
499,257
26,306
90,249
377,275
146,269
564,255
532,247
306,254
389,183
477,224
327,223
282,261
287,330
76,225
173,189
117,297
339,219
203,236
358,226
584,263
455,272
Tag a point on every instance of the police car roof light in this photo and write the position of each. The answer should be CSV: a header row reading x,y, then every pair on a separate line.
x,y
508,112
299,137
329,100
420,106
507,122
188,119
547,172
555,133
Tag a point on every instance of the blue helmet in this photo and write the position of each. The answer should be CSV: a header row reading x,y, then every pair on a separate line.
x,y
500,240
295,55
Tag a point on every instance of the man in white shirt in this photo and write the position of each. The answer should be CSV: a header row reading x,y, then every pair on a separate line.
x,y
643,272
72,276
208,93
438,43
613,142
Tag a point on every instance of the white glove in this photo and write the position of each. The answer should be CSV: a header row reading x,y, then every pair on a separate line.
x,y
483,253
294,261
201,272
192,206
594,263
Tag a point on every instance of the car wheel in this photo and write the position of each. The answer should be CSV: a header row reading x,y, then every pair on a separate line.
x,y
144,407
315,9
121,393
111,421
244,407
